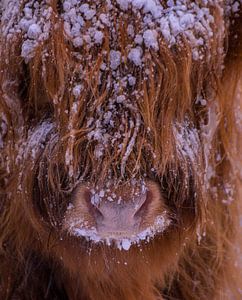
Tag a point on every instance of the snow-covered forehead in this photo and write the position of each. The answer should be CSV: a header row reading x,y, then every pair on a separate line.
x,y
116,48
153,21
117,43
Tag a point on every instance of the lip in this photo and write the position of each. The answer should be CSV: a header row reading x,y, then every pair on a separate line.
x,y
120,239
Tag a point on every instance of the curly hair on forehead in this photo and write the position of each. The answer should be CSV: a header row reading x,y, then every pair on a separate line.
x,y
96,92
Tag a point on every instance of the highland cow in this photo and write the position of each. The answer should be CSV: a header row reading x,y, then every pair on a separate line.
x,y
119,137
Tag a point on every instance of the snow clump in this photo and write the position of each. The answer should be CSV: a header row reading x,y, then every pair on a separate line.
x,y
84,22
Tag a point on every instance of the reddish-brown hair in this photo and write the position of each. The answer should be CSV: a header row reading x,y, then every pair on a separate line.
x,y
196,259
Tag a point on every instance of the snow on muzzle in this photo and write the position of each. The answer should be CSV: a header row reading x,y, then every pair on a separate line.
x,y
120,216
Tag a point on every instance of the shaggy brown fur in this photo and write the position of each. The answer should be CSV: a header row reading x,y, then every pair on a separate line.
x,y
196,257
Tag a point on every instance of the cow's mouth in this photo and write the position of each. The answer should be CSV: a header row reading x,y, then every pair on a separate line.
x,y
122,239
134,215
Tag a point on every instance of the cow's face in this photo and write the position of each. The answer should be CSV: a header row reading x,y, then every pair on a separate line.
x,y
114,94
117,101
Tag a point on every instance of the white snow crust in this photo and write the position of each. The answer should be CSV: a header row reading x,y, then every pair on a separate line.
x,y
177,18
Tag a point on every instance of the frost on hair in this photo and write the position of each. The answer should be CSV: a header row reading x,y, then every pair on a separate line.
x,y
109,96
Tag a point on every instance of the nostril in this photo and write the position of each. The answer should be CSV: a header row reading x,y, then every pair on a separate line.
x,y
144,206
94,211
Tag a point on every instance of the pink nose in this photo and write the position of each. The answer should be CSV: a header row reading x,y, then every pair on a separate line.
x,y
116,213
130,201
